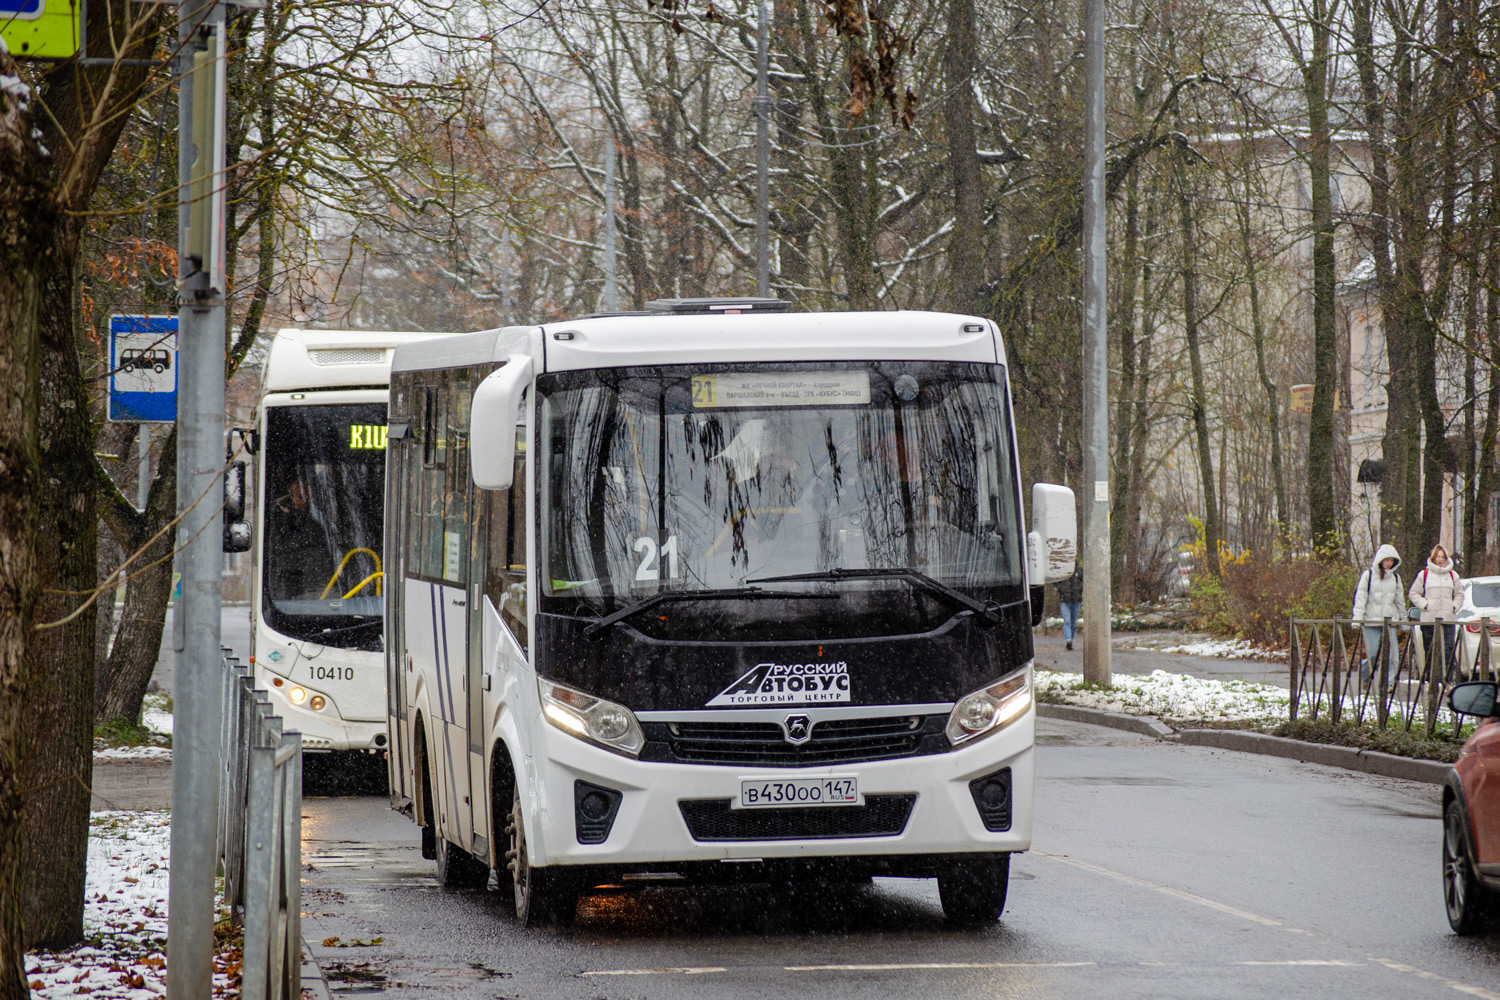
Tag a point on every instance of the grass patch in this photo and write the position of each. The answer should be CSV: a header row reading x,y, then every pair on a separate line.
x,y
1415,744
122,732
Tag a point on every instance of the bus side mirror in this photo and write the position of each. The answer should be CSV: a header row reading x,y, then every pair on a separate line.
x,y
1052,545
492,424
236,529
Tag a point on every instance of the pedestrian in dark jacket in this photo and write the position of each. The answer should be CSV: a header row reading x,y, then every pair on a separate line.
x,y
1070,601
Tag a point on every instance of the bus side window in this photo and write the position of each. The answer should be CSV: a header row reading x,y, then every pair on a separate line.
x,y
505,572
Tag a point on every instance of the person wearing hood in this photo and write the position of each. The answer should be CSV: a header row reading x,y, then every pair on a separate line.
x,y
1439,592
1379,597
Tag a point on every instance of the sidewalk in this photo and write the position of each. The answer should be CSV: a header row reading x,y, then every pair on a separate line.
x,y
1051,654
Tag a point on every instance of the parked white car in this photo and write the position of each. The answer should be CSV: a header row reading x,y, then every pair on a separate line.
x,y
1481,600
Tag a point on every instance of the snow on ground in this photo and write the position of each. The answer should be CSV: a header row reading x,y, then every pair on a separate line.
x,y
1221,649
1178,697
124,917
156,716
1171,696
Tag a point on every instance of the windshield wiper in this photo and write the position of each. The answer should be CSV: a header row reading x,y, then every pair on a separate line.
x,y
671,595
989,612
368,623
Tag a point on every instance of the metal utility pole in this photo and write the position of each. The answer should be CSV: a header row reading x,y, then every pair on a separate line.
x,y
762,159
143,471
200,458
611,294
1095,554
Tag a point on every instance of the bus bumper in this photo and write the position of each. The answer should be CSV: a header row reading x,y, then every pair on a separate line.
x,y
650,827
325,730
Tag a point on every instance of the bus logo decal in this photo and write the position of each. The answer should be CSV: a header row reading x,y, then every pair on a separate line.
x,y
787,684
798,729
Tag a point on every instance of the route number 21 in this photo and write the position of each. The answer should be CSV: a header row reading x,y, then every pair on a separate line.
x,y
652,556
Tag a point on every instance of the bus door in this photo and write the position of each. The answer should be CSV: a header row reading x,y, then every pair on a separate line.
x,y
474,679
497,615
398,517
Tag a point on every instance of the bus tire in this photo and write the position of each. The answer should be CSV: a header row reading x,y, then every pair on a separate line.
x,y
973,891
545,897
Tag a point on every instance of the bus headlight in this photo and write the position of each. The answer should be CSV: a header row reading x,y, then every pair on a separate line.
x,y
990,709
603,722
298,695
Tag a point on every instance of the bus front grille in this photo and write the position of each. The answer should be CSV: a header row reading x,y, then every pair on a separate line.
x,y
764,744
880,816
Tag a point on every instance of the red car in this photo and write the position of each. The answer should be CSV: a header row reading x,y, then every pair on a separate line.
x,y
1471,815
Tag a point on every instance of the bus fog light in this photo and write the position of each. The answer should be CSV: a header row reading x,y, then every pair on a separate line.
x,y
990,709
298,695
611,726
317,702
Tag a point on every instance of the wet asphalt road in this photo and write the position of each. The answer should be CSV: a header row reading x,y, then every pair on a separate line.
x,y
1158,871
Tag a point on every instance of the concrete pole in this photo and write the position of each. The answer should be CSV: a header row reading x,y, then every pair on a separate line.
x,y
762,158
196,692
611,293
1095,502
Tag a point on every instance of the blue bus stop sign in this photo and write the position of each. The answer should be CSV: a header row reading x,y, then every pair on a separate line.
x,y
143,369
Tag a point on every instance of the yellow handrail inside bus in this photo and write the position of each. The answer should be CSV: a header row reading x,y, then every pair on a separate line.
x,y
344,562
376,576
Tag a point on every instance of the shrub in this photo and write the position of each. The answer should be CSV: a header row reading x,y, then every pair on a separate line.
x,y
1256,596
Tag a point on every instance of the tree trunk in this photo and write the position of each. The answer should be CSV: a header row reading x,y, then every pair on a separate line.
x,y
58,747
1122,577
1320,466
1198,403
1273,393
57,740
26,218
124,676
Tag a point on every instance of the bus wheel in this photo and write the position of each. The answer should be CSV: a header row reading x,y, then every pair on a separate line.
x,y
973,890
545,897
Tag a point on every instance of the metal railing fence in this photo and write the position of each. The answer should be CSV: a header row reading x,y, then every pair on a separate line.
x,y
260,836
1334,675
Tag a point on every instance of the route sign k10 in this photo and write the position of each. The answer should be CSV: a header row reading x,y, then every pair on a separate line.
x,y
40,28
143,368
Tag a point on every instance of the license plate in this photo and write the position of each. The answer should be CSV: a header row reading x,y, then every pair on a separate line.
x,y
779,793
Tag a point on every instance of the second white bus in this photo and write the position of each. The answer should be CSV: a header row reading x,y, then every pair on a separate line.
x,y
317,579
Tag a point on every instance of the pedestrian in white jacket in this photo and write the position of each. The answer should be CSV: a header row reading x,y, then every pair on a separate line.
x,y
1439,592
1379,596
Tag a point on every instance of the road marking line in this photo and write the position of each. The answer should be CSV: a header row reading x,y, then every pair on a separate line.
x,y
1212,904
899,966
1337,962
1391,964
685,971
1473,991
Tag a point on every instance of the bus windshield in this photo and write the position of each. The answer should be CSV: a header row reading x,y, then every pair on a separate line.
x,y
888,486
322,522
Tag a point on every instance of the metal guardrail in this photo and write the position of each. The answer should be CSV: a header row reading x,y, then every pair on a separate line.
x,y
260,836
1334,675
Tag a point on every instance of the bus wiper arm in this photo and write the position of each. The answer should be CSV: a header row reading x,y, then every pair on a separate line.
x,y
350,628
669,595
986,611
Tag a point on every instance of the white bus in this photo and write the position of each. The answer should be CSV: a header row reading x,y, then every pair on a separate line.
x,y
718,592
317,578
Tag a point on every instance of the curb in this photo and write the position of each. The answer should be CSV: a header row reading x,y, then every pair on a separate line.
x,y
313,983
1142,724
1367,761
